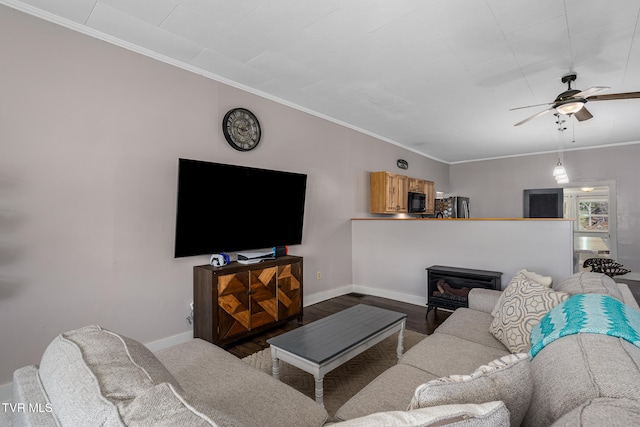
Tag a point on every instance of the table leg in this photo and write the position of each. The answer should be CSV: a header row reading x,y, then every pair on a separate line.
x,y
400,341
319,390
275,367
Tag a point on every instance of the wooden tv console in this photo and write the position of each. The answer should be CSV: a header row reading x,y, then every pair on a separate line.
x,y
239,300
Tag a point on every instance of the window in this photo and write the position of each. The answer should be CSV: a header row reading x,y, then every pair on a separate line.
x,y
593,214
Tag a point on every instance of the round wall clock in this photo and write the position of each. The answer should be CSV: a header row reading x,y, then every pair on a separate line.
x,y
241,129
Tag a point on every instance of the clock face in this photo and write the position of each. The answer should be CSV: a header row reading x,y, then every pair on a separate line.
x,y
241,129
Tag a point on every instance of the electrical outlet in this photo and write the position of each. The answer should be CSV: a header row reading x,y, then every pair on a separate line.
x,y
319,275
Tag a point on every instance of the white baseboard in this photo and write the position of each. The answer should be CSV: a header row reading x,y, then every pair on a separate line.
x,y
376,292
325,295
396,296
170,341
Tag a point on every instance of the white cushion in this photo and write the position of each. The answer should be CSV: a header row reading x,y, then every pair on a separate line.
x,y
538,278
507,379
489,414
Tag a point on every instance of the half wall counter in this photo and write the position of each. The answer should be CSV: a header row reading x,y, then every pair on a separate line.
x,y
390,255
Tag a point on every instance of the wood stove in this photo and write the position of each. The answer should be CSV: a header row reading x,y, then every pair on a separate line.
x,y
447,287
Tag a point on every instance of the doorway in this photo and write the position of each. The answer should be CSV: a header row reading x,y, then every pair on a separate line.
x,y
592,206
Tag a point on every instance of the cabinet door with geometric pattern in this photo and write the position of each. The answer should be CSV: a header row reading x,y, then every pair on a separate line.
x,y
289,294
264,307
234,304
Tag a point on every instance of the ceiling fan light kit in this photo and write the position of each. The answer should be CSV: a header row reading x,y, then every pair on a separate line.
x,y
570,107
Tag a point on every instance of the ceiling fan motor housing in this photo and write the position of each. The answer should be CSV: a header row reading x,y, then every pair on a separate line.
x,y
567,94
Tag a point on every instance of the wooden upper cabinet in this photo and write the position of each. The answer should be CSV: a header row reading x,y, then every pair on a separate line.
x,y
417,185
430,191
389,192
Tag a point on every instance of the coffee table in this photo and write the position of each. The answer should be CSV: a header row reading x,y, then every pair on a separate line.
x,y
323,345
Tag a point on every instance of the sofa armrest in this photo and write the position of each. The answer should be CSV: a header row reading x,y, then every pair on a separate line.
x,y
482,299
627,295
27,391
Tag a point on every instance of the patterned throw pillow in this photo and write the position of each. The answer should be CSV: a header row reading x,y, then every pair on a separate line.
x,y
521,306
519,277
506,379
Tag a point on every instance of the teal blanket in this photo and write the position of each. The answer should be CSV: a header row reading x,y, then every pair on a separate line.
x,y
587,313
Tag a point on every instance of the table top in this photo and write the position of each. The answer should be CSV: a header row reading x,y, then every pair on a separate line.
x,y
326,338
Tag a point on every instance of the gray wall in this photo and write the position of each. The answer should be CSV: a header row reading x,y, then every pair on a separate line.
x,y
91,134
495,186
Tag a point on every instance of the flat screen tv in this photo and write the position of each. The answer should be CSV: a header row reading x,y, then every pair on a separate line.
x,y
227,208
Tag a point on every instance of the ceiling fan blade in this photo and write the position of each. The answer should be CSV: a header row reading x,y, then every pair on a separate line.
x,y
613,96
529,106
591,91
534,116
583,114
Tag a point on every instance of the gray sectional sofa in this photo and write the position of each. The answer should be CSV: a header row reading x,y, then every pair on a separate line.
x,y
92,376
578,380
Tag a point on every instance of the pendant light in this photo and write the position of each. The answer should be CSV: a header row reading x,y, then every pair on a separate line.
x,y
559,172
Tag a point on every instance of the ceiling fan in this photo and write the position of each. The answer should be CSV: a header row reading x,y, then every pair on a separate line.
x,y
571,101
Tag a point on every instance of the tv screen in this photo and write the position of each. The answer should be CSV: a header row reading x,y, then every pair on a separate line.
x,y
227,208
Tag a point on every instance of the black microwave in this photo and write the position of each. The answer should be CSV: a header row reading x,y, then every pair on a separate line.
x,y
417,202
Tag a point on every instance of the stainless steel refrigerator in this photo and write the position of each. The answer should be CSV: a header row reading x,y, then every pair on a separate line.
x,y
452,207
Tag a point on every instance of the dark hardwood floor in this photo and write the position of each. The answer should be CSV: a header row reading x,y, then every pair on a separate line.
x,y
416,320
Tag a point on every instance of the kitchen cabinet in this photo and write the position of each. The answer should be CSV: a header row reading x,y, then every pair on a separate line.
x,y
388,192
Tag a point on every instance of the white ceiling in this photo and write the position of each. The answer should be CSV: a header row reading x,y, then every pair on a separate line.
x,y
435,76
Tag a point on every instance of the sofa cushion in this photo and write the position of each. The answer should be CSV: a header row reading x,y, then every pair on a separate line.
x,y
389,391
578,368
164,405
590,283
470,325
524,303
489,414
223,381
602,412
507,379
444,354
86,372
